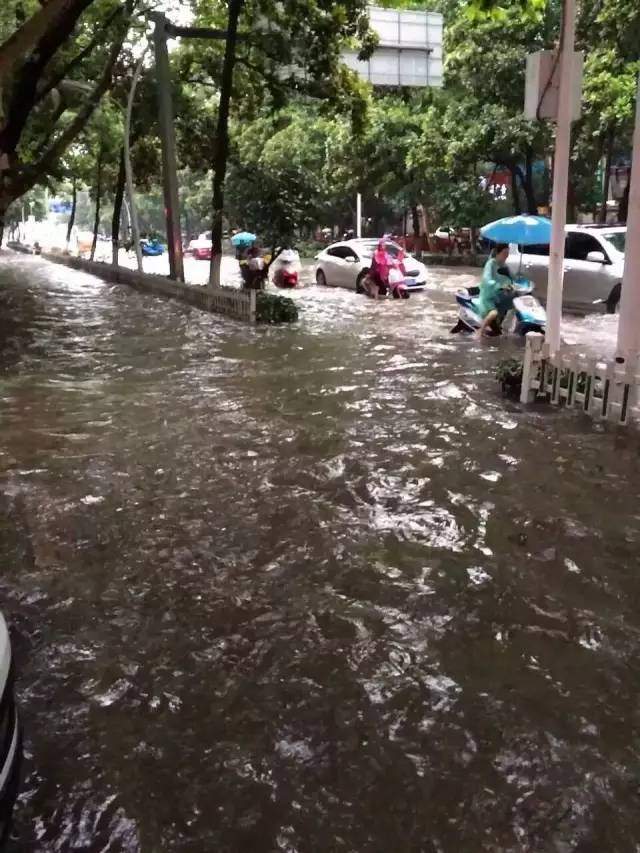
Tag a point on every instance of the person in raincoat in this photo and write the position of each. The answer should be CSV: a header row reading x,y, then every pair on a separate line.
x,y
494,288
381,264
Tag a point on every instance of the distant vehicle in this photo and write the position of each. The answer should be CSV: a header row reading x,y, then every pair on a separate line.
x,y
10,736
593,267
448,239
346,264
151,248
201,248
444,238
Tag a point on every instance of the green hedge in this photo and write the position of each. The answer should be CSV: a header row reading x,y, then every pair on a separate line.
x,y
271,308
509,375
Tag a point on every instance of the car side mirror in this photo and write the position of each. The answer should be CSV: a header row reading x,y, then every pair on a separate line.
x,y
597,258
350,259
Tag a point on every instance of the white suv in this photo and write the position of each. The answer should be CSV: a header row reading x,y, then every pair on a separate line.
x,y
593,266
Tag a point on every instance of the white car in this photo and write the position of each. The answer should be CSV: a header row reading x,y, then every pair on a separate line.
x,y
10,738
345,264
593,266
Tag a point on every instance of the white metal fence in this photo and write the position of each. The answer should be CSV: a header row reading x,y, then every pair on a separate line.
x,y
603,388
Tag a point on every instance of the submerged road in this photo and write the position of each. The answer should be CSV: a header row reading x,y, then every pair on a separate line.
x,y
308,589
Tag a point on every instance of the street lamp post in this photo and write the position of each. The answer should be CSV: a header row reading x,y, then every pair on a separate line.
x,y
132,210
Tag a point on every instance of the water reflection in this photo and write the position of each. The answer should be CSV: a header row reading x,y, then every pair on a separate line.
x,y
308,589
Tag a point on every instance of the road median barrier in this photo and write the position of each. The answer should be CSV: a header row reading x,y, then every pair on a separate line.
x,y
247,305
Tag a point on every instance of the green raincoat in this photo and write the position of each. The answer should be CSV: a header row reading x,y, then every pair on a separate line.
x,y
492,288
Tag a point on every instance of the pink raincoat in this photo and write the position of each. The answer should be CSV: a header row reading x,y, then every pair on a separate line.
x,y
383,261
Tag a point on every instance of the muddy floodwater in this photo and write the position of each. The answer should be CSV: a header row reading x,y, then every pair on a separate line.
x,y
309,589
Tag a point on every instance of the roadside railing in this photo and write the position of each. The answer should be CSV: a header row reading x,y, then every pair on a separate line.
x,y
227,301
606,389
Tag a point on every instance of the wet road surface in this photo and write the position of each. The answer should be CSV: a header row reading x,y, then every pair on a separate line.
x,y
308,589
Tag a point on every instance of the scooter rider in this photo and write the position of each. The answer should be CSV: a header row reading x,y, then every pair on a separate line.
x,y
384,267
495,289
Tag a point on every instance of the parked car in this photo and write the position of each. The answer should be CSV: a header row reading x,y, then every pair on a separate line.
x,y
10,736
201,248
443,238
594,262
345,264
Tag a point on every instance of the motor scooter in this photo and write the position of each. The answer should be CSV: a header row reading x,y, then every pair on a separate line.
x,y
521,311
286,268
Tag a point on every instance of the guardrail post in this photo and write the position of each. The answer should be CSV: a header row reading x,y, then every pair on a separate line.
x,y
532,356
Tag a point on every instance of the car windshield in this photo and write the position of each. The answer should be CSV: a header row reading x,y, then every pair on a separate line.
x,y
616,238
368,248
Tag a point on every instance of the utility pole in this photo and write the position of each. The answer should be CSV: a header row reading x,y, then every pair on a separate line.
x,y
359,215
164,29
168,141
629,319
561,177
221,150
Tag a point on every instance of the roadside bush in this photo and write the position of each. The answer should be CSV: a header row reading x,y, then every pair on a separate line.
x,y
271,308
509,375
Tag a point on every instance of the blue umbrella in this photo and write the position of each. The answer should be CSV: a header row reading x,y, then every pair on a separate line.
x,y
526,230
243,238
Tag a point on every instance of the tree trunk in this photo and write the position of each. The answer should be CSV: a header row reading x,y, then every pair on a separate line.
x,y
117,211
96,221
608,156
72,218
529,190
221,150
415,219
515,192
546,182
624,203
571,202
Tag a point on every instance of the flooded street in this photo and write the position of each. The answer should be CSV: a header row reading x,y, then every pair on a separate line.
x,y
309,589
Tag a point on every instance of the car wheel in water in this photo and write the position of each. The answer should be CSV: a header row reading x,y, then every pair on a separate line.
x,y
613,302
360,282
321,278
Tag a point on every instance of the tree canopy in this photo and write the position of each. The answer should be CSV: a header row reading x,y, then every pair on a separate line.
x,y
305,134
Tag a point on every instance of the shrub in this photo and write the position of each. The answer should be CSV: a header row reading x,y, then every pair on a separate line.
x,y
509,375
271,308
